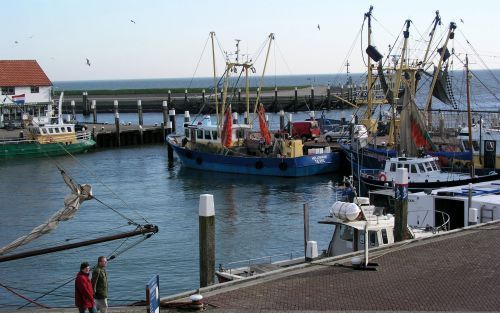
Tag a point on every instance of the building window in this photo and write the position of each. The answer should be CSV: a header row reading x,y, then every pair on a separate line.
x,y
8,91
35,89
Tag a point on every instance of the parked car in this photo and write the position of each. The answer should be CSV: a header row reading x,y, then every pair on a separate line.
x,y
305,130
338,132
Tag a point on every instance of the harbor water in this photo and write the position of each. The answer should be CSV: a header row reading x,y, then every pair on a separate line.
x,y
255,217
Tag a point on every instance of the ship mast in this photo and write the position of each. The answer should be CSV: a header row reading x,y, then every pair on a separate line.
x,y
212,35
428,102
469,114
257,99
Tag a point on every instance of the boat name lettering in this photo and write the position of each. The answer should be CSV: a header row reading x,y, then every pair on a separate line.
x,y
319,159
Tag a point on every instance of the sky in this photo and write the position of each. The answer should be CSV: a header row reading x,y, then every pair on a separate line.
x,y
126,39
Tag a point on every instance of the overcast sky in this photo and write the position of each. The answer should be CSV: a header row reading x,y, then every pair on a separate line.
x,y
166,38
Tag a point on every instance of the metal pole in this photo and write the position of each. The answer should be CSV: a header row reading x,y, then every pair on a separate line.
x,y
94,111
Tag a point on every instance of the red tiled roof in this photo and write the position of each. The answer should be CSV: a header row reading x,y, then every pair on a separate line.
x,y
21,73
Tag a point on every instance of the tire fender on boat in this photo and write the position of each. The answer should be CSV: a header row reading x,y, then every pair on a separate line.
x,y
259,165
382,177
283,166
50,139
199,160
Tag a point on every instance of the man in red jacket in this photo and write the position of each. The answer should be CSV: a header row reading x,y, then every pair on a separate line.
x,y
84,295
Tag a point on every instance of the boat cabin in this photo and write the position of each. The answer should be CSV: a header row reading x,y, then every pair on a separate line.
x,y
348,235
49,133
207,133
419,169
485,146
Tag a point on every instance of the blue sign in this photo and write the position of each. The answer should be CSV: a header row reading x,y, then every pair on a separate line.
x,y
153,292
401,192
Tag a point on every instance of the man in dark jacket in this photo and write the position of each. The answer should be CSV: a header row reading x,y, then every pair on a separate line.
x,y
84,299
100,284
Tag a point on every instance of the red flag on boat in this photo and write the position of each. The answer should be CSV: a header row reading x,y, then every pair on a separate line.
x,y
227,129
264,131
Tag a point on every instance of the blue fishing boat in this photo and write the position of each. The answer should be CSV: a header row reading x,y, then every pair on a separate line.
x,y
249,154
231,147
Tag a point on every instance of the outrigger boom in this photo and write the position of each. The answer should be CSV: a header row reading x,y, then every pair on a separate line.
x,y
141,230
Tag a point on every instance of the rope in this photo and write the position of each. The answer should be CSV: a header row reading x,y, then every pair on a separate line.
x,y
23,297
199,60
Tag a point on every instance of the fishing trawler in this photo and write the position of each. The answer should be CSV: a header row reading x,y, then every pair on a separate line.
x,y
47,135
224,146
411,128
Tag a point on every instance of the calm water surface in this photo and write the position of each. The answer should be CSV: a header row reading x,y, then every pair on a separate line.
x,y
255,217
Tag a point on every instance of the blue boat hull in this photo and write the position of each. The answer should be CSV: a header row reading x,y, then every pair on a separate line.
x,y
285,167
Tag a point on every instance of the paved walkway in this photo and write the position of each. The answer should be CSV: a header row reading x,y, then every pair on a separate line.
x,y
456,271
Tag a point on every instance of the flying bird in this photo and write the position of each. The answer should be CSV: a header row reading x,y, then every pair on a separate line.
x,y
319,27
461,20
16,41
132,21
88,62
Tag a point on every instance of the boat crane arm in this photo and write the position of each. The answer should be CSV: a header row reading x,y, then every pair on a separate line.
x,y
148,229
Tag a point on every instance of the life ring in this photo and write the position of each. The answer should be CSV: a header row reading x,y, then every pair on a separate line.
x,y
382,177
283,166
189,155
199,161
259,165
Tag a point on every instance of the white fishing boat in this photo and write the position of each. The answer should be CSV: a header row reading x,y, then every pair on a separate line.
x,y
423,173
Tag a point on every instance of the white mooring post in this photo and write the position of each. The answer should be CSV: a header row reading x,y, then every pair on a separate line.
x,y
207,239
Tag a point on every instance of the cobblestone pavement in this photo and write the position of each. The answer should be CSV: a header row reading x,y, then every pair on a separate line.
x,y
459,272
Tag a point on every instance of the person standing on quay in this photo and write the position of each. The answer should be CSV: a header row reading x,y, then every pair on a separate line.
x,y
84,299
100,284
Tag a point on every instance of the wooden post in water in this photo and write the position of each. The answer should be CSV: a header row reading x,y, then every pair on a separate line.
x,y
185,98
139,112
282,120
94,111
170,150
165,112
141,135
290,126
73,111
169,97
163,133
187,118
246,118
275,99
235,117
203,97
86,111
171,115
117,123
401,204
295,101
206,212
328,99
313,106
306,227
239,97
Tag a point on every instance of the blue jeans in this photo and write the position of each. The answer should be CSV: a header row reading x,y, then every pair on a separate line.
x,y
91,310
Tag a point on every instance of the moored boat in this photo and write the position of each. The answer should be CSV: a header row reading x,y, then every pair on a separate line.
x,y
47,136
423,173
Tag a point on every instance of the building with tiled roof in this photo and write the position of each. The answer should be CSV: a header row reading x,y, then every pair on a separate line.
x,y
24,77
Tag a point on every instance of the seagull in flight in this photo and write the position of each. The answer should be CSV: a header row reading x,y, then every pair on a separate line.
x,y
318,27
16,42
461,20
132,21
88,62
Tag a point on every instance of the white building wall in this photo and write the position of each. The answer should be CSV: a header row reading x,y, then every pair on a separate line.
x,y
44,95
